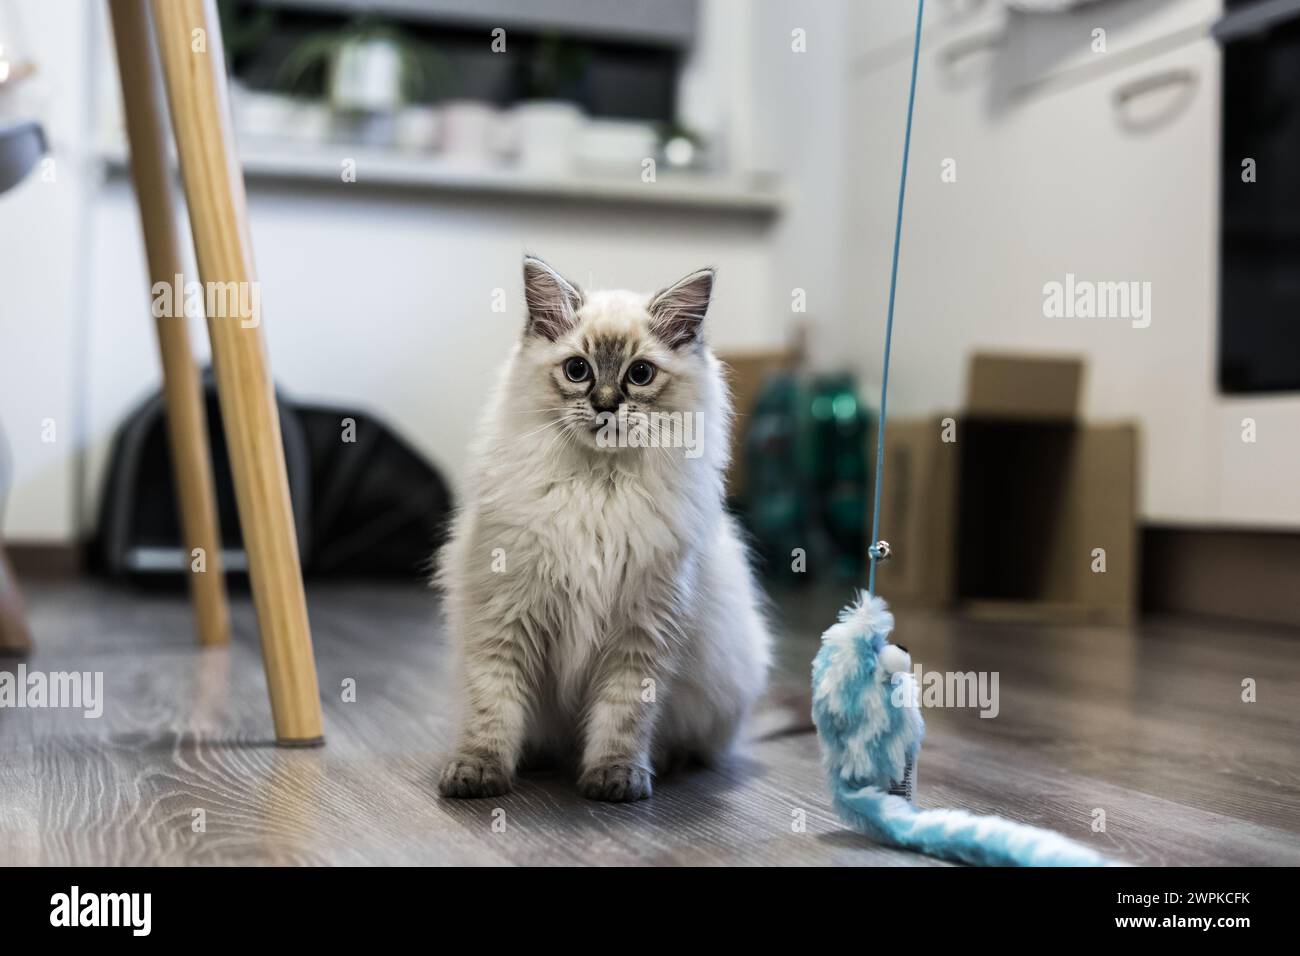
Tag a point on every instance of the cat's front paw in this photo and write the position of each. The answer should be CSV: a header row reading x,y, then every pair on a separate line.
x,y
615,782
468,777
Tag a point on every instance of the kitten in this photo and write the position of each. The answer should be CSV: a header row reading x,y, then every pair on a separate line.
x,y
599,594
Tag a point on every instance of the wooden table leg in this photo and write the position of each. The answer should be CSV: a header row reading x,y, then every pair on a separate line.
x,y
186,420
189,39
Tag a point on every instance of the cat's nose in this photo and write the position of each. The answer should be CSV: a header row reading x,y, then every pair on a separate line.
x,y
605,398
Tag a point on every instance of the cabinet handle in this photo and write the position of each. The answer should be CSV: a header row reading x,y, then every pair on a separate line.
x,y
1149,84
1181,81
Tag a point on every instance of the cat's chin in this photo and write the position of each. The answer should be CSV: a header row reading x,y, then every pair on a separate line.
x,y
592,439
595,442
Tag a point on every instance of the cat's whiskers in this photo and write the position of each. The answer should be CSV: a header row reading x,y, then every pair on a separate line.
x,y
550,424
656,440
560,441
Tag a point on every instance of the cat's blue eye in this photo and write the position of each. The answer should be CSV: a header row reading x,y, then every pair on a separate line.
x,y
641,373
577,370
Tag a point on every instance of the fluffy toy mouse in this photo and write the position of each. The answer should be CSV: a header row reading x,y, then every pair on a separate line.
x,y
864,706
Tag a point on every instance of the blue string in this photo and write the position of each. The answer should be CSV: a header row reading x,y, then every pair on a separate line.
x,y
889,321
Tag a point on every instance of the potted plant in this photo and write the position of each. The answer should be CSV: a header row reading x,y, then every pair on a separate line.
x,y
373,70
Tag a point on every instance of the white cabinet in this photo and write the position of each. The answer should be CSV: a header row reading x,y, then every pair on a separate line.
x,y
1109,175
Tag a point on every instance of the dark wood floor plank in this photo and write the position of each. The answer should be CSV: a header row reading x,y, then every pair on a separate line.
x,y
1147,725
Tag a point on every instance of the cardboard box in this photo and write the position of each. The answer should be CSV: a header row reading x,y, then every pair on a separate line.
x,y
1011,512
1020,388
1040,506
918,513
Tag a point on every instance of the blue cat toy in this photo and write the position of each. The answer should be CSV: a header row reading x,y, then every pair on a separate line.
x,y
866,712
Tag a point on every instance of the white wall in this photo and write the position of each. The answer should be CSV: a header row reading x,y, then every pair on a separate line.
x,y
381,300
43,294
800,104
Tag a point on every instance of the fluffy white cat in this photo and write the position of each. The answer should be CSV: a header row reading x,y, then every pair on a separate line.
x,y
598,592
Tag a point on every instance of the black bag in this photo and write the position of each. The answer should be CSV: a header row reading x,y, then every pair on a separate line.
x,y
377,506
363,501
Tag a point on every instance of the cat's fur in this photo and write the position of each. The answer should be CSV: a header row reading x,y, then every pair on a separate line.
x,y
601,597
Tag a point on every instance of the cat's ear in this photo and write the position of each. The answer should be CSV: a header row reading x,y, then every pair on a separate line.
x,y
677,312
553,301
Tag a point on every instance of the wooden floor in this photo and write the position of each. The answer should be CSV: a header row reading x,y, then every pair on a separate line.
x,y
1147,725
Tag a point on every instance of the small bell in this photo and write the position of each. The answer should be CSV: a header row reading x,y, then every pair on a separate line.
x,y
880,551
